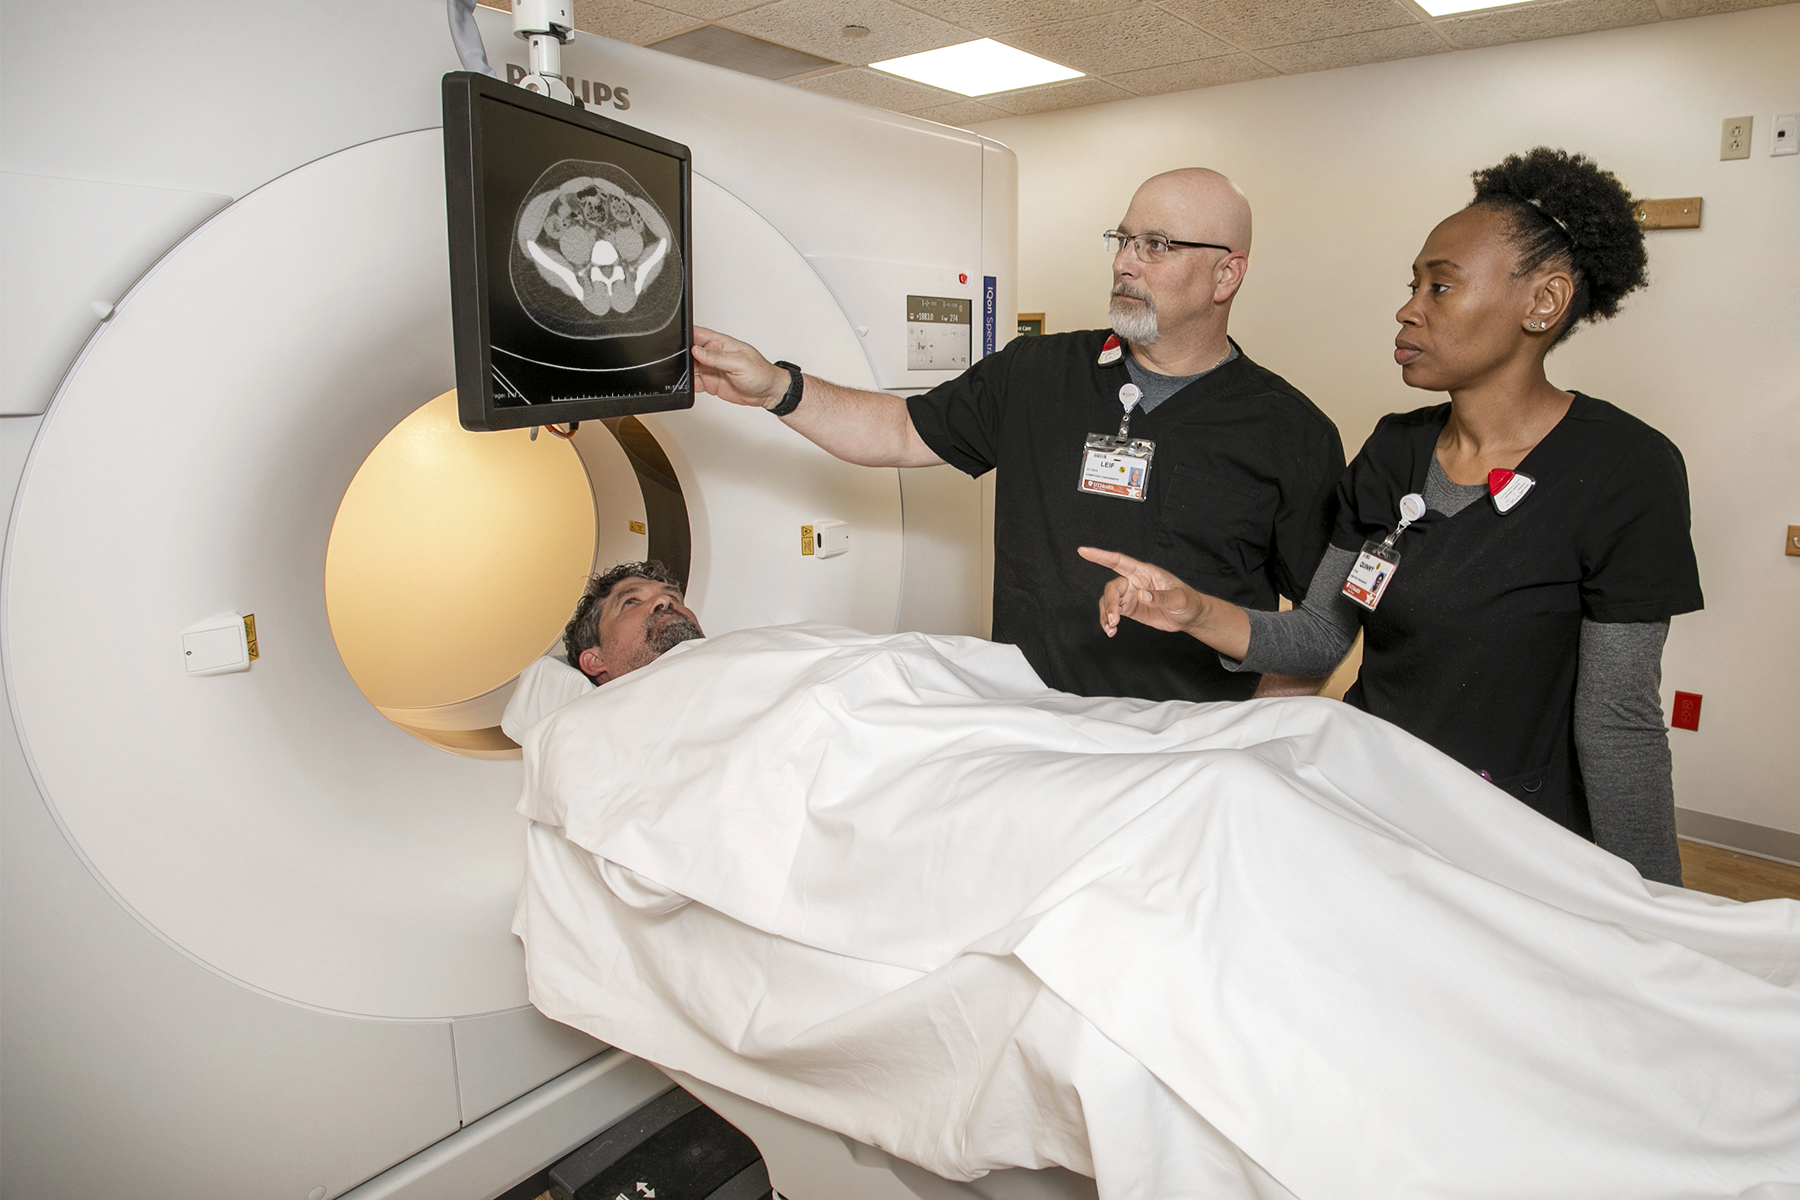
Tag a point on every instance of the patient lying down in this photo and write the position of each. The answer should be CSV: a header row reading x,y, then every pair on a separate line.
x,y
626,618
897,887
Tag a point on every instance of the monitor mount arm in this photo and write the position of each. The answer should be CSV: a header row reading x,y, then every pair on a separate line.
x,y
545,25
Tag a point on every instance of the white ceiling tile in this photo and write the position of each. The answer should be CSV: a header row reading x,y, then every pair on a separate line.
x,y
877,89
1072,94
966,112
1115,42
709,10
1183,77
1352,50
1552,19
815,26
629,21
1252,24
1701,8
1004,16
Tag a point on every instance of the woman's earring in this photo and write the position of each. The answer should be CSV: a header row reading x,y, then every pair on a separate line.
x,y
1537,324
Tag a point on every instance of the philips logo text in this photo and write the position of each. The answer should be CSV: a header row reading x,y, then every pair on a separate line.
x,y
589,91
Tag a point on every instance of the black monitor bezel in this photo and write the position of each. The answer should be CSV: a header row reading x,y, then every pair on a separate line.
x,y
468,261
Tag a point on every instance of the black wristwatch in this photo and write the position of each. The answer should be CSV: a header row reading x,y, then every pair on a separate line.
x,y
790,399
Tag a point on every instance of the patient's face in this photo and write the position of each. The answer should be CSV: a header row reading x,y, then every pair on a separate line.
x,y
639,620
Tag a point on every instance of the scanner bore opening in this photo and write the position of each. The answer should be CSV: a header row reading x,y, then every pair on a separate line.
x,y
456,558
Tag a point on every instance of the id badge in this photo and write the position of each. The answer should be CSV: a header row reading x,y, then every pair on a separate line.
x,y
1373,571
1116,466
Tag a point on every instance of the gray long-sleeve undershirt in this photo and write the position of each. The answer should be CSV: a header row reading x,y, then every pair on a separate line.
x,y
1621,745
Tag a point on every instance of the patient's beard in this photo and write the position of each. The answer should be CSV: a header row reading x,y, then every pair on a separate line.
x,y
1136,323
665,635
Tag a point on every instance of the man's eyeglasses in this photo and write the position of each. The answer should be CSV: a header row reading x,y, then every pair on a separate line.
x,y
1151,247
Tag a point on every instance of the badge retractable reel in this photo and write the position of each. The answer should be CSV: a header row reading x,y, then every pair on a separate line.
x,y
1376,565
1118,465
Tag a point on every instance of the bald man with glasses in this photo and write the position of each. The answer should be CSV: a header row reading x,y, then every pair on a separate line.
x,y
1158,438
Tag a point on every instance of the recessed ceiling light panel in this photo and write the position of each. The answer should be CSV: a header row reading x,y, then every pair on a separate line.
x,y
978,68
1449,8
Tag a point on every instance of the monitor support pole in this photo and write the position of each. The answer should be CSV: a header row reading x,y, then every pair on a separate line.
x,y
545,25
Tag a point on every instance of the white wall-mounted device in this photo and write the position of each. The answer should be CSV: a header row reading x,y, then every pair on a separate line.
x,y
831,538
218,645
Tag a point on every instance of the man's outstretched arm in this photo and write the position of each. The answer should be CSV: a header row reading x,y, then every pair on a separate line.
x,y
871,429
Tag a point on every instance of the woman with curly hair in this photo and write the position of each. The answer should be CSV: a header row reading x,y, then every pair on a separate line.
x,y
1513,556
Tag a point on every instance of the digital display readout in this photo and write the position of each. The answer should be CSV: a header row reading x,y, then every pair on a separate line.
x,y
939,333
946,310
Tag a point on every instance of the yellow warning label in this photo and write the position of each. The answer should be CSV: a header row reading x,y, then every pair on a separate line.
x,y
250,635
806,539
635,526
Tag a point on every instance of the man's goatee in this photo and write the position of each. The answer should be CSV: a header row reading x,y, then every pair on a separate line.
x,y
1136,323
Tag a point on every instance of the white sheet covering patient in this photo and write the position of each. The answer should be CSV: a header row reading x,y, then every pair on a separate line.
x,y
896,887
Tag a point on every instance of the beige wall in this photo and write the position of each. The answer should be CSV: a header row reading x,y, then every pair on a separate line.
x,y
1349,169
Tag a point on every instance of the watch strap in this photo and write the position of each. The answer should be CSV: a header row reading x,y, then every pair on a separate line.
x,y
790,400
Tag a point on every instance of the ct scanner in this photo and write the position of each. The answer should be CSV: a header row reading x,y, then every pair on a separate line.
x,y
256,934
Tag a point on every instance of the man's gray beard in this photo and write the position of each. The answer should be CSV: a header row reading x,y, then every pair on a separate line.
x,y
666,635
1136,323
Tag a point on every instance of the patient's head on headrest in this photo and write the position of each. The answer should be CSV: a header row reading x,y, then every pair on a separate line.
x,y
626,618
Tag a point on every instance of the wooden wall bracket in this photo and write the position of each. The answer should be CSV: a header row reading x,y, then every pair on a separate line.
x,y
1667,214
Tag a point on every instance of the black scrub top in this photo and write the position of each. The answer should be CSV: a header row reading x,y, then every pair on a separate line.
x,y
1238,505
1473,646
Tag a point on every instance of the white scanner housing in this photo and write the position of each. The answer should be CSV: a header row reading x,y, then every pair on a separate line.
x,y
258,935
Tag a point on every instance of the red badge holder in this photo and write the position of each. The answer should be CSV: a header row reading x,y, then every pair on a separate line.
x,y
1507,488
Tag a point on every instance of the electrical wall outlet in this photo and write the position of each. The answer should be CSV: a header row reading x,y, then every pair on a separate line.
x,y
1687,711
1734,138
1786,139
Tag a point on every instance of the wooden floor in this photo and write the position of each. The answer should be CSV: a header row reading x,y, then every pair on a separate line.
x,y
1739,876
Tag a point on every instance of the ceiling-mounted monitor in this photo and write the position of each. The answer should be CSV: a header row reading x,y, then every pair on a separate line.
x,y
570,281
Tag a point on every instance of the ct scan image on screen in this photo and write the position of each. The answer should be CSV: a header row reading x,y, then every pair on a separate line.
x,y
589,252
580,232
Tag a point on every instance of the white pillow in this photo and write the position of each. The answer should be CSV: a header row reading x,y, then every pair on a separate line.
x,y
544,686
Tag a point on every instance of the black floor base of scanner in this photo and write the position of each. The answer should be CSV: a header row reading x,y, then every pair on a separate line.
x,y
673,1148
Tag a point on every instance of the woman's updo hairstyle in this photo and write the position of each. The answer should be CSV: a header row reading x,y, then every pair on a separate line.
x,y
1566,211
